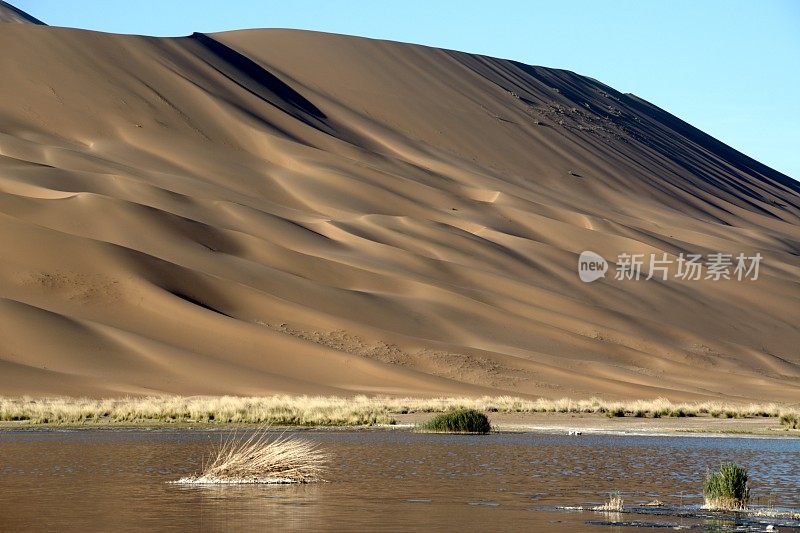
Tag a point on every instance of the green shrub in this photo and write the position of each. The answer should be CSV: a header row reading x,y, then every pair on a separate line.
x,y
727,488
459,421
615,412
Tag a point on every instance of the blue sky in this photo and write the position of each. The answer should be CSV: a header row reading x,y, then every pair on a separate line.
x,y
729,67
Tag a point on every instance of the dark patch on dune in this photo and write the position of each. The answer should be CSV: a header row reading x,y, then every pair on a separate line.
x,y
259,81
731,156
195,301
9,13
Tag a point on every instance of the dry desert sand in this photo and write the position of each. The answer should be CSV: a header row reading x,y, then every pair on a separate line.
x,y
281,211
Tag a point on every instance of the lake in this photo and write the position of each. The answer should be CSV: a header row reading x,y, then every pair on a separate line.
x,y
384,480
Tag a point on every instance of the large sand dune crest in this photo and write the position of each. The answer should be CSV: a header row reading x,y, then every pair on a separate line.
x,y
10,14
284,211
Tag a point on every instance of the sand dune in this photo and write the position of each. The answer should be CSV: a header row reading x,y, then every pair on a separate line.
x,y
9,13
275,211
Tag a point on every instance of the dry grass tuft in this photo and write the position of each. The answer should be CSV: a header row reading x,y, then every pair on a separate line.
x,y
615,504
261,459
790,420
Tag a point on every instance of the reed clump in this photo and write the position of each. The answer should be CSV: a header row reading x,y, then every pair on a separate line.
x,y
727,489
459,421
261,459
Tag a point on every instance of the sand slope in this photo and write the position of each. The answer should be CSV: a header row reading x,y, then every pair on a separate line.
x,y
282,211
9,13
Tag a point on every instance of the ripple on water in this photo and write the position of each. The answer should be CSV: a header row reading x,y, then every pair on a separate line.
x,y
377,477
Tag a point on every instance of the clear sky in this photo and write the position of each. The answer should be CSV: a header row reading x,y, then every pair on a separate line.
x,y
729,67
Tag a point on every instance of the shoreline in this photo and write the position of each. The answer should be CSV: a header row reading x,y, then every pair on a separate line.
x,y
581,424
600,424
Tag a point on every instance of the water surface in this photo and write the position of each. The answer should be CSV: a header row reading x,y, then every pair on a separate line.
x,y
87,480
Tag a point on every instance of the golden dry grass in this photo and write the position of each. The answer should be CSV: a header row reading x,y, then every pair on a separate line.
x,y
337,411
261,458
790,420
615,504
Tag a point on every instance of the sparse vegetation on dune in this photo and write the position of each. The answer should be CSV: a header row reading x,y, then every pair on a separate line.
x,y
459,421
726,489
261,459
338,411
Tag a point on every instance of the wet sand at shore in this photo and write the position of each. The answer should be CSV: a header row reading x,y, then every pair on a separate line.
x,y
601,424
547,423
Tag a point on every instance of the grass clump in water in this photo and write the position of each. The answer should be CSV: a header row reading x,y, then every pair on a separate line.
x,y
261,459
615,504
459,421
727,489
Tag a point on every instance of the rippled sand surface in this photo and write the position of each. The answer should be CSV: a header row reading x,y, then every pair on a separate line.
x,y
270,211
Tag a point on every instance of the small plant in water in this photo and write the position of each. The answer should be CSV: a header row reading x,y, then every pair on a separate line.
x,y
261,459
614,504
459,421
727,489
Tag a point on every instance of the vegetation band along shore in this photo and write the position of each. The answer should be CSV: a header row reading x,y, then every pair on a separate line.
x,y
342,411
